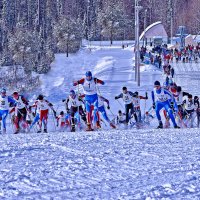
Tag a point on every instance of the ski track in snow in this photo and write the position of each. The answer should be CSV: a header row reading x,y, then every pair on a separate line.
x,y
129,164
123,164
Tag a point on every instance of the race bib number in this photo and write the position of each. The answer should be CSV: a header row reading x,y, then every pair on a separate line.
x,y
189,105
126,98
162,98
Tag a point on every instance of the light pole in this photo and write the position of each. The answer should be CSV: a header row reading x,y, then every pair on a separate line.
x,y
137,43
145,24
171,24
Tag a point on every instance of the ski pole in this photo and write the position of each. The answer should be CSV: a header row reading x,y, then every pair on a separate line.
x,y
11,123
53,119
145,103
112,113
120,103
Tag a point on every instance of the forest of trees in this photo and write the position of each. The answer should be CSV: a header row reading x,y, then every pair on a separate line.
x,y
32,31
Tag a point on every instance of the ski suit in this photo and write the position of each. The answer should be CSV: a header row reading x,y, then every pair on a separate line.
x,y
163,99
101,108
43,109
128,102
20,110
5,102
76,106
91,97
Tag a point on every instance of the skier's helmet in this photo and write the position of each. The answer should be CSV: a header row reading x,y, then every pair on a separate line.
x,y
189,96
3,91
61,113
40,97
15,94
72,93
179,89
136,93
156,83
88,75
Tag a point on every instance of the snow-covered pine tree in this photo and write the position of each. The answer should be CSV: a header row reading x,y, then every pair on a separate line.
x,y
68,33
112,19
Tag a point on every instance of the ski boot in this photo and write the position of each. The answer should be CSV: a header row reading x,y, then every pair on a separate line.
x,y
45,130
138,125
160,125
89,128
16,132
167,124
98,125
112,125
39,131
73,128
176,126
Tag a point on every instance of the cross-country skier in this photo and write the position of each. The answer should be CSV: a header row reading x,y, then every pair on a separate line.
x,y
179,95
5,102
136,103
102,110
121,118
76,106
62,121
197,107
20,110
127,97
189,108
43,106
89,84
163,99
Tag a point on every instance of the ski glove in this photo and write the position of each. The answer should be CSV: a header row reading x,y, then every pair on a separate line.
x,y
75,83
63,100
154,106
172,105
108,107
116,98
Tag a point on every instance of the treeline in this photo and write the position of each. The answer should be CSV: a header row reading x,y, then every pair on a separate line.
x,y
32,31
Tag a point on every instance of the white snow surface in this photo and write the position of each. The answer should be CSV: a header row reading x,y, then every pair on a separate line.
x,y
133,164
113,164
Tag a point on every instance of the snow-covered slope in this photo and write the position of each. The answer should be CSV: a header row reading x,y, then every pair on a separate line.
x,y
114,65
134,164
129,164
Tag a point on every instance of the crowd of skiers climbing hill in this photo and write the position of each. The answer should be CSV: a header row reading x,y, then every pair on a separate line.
x,y
88,110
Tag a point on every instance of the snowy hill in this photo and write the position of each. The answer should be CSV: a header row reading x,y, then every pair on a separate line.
x,y
114,65
130,164
134,164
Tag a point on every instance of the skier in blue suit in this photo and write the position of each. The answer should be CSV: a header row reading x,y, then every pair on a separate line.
x,y
163,99
5,102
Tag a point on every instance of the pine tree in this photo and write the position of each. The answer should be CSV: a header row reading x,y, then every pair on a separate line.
x,y
68,33
112,19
